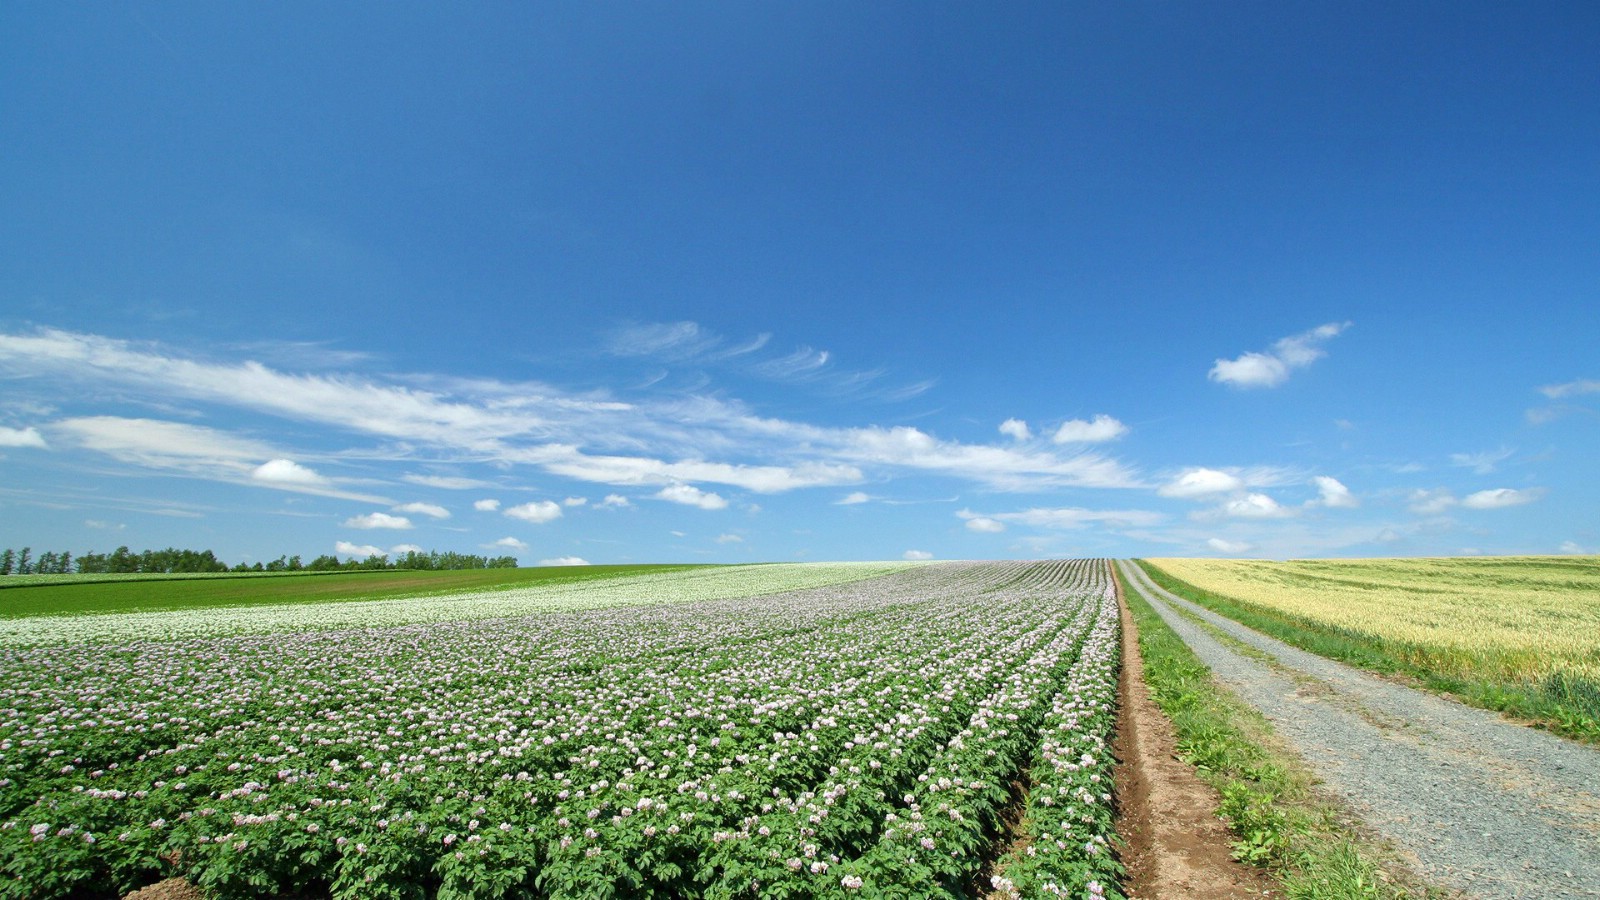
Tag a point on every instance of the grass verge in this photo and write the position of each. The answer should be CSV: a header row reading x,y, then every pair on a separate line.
x,y
1279,822
1570,707
157,592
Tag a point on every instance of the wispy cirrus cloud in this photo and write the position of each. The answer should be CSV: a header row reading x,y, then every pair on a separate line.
x,y
594,437
1270,368
1482,463
1068,517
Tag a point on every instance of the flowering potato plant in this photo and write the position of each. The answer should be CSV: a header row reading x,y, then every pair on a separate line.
x,y
783,731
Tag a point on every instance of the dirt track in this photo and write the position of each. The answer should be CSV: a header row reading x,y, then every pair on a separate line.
x,y
1177,848
1479,804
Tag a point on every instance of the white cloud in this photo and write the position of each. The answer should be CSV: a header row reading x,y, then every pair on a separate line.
x,y
402,549
1272,368
510,543
1005,468
1482,463
446,482
286,471
22,437
689,495
729,539
378,520
1225,546
565,561
1101,429
424,509
1430,502
536,511
1068,517
985,524
488,504
197,451
1255,506
853,498
575,501
1572,548
916,554
1571,388
1016,429
801,362
1499,498
1333,494
579,436
1200,482
614,501
345,548
668,340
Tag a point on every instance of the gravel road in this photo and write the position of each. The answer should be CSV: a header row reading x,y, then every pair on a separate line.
x,y
1493,809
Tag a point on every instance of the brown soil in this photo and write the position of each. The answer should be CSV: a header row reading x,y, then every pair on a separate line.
x,y
1176,847
171,889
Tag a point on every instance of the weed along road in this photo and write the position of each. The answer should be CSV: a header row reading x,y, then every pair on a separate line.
x,y
1494,809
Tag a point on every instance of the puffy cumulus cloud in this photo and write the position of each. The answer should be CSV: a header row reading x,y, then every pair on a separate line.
x,y
537,511
565,561
1255,506
1272,367
1200,482
401,549
22,437
487,504
853,498
1067,517
345,548
1499,498
430,510
614,501
916,555
1225,546
1016,429
1100,429
378,520
286,471
575,501
689,495
1332,494
509,543
985,525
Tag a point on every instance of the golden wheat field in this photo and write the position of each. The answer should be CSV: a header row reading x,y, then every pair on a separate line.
x,y
1519,618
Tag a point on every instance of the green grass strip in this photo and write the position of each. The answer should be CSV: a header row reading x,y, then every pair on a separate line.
x,y
158,592
1278,821
1566,706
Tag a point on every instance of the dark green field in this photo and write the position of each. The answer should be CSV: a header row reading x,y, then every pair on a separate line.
x,y
151,592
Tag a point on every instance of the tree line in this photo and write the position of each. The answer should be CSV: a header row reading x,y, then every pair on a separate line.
x,y
123,561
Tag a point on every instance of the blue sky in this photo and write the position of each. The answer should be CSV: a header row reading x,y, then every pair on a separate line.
x,y
736,282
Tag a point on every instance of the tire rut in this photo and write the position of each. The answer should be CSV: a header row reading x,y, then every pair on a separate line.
x,y
1490,808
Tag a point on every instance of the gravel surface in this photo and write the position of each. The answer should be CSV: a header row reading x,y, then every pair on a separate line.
x,y
1493,809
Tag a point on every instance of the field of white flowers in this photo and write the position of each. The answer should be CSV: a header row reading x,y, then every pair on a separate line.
x,y
815,734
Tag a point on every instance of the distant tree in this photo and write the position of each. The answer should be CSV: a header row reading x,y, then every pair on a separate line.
x,y
24,561
294,563
7,560
324,563
64,563
503,562
46,564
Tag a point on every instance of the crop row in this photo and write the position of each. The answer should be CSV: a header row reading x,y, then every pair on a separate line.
x,y
859,739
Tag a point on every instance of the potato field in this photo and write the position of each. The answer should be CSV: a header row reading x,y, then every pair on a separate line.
x,y
757,731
